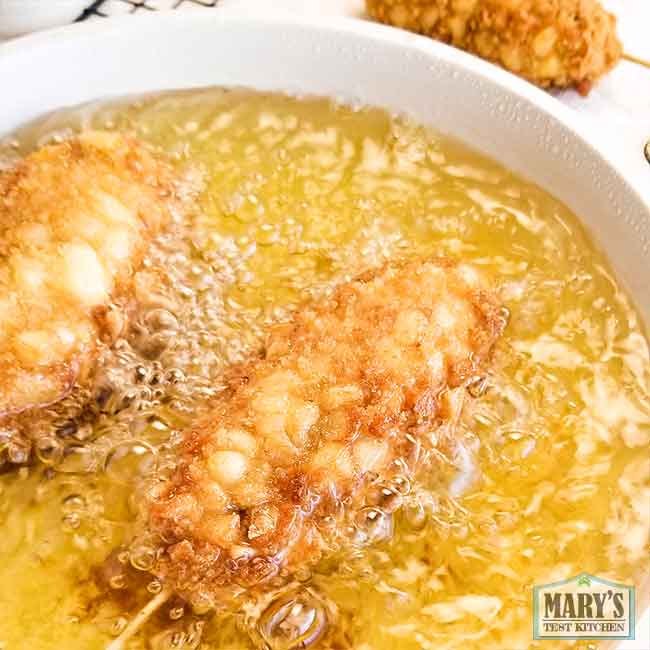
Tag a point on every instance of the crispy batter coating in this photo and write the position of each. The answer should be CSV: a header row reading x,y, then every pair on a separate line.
x,y
553,43
356,387
75,219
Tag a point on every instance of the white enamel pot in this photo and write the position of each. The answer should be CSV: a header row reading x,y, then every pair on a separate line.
x,y
509,120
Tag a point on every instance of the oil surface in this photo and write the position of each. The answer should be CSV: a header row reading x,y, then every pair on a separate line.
x,y
300,194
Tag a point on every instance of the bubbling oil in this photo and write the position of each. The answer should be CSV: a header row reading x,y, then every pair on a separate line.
x,y
551,476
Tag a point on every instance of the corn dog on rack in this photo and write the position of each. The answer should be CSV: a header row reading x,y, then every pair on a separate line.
x,y
312,443
75,221
552,43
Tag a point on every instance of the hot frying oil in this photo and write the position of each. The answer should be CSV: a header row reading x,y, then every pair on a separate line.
x,y
552,476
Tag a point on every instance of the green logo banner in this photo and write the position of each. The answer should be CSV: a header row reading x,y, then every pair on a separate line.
x,y
583,607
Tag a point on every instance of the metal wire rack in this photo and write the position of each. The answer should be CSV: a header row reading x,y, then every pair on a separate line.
x,y
108,8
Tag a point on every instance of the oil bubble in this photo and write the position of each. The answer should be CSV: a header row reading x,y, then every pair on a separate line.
x,y
18,452
297,620
477,386
175,376
84,433
118,625
158,320
6,436
302,574
142,373
48,450
373,525
154,587
71,521
401,485
128,460
386,498
168,640
182,636
202,603
142,558
193,632
153,345
415,515
77,459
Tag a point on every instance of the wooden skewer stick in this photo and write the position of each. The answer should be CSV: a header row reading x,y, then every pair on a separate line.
x,y
140,619
635,59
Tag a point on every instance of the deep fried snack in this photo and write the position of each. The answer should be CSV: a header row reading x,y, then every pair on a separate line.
x,y
553,43
75,219
362,385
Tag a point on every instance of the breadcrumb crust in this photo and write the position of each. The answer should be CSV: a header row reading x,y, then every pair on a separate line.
x,y
357,386
552,43
75,220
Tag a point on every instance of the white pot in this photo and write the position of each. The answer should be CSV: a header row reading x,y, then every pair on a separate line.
x,y
511,121
23,16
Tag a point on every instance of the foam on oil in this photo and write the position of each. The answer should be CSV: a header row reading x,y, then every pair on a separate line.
x,y
299,194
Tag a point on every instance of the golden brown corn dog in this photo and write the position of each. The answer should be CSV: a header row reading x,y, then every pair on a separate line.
x,y
75,219
553,43
361,386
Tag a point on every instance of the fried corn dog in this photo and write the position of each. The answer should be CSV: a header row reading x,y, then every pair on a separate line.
x,y
356,387
75,219
553,43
